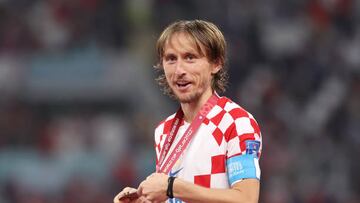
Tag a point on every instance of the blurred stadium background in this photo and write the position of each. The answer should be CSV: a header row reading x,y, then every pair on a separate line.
x,y
79,102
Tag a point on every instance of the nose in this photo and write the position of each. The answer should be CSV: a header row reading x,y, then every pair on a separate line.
x,y
179,68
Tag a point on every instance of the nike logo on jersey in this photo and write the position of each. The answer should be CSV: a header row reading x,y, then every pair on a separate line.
x,y
173,174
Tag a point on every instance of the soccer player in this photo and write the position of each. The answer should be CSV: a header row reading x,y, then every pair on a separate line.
x,y
209,150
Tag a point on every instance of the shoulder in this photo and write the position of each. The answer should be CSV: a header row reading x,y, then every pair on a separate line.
x,y
239,120
233,109
244,128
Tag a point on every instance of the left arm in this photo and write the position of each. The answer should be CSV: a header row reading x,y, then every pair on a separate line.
x,y
155,186
244,191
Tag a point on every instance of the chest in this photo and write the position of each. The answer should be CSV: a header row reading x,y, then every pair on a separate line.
x,y
203,161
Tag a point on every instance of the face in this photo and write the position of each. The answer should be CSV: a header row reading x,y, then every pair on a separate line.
x,y
188,72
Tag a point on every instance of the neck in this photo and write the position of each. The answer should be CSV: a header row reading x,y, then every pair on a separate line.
x,y
190,109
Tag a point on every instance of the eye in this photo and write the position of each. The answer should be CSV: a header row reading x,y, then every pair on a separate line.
x,y
190,57
170,58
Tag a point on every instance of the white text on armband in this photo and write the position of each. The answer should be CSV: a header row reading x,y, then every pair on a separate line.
x,y
242,167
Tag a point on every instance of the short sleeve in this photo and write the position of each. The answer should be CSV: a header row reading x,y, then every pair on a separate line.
x,y
244,149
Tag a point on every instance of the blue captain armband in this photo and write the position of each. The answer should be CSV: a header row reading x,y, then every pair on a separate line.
x,y
242,167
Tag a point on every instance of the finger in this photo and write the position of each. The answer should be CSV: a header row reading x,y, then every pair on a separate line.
x,y
141,188
125,191
117,199
129,191
139,191
132,190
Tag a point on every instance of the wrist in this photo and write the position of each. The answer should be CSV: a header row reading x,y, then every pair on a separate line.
x,y
169,191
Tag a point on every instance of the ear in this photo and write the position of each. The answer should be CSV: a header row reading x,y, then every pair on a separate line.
x,y
216,68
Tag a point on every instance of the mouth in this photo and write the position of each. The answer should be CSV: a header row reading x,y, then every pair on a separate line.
x,y
182,85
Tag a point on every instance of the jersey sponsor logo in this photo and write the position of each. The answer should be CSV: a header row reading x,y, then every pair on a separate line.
x,y
173,174
252,147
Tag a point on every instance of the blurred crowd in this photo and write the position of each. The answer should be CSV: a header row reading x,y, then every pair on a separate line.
x,y
79,102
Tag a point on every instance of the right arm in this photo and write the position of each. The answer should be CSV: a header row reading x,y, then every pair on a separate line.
x,y
159,131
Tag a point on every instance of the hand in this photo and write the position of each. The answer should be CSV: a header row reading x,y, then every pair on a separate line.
x,y
154,187
129,195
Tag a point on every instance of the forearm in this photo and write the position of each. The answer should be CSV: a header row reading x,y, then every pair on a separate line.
x,y
189,192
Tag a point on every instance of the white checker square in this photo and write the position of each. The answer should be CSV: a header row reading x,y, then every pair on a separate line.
x,y
243,126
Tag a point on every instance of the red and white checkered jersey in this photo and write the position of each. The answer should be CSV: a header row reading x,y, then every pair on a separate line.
x,y
222,135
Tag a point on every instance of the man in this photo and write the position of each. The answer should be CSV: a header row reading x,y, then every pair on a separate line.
x,y
209,150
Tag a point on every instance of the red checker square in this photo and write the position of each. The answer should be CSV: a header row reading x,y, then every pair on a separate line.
x,y
230,132
216,119
244,138
157,147
206,121
218,135
222,102
218,164
167,126
202,180
238,113
255,126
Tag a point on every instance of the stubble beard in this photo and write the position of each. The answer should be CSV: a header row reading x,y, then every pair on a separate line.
x,y
191,96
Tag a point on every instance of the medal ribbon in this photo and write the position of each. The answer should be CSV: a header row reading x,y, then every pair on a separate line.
x,y
164,166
